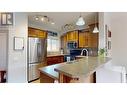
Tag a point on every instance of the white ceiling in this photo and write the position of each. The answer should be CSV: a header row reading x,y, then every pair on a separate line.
x,y
61,18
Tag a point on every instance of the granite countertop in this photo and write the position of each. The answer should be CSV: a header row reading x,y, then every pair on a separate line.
x,y
82,67
49,70
76,68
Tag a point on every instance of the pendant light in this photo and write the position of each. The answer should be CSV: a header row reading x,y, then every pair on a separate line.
x,y
80,21
95,30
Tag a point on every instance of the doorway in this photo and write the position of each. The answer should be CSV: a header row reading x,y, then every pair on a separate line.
x,y
3,56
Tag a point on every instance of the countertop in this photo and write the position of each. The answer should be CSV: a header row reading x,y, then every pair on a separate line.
x,y
76,68
82,67
49,70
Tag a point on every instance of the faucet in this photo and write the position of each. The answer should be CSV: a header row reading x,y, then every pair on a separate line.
x,y
83,51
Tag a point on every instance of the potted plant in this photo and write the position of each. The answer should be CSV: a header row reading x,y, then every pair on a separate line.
x,y
102,52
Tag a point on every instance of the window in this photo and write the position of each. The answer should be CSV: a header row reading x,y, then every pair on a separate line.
x,y
52,45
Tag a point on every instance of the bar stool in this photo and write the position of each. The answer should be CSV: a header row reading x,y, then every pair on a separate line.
x,y
2,76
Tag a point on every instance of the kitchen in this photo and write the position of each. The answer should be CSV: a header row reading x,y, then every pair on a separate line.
x,y
91,70
54,46
72,43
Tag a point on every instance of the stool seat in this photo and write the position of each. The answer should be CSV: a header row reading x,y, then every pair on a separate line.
x,y
2,76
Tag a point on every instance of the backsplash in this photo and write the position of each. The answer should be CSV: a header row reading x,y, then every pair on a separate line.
x,y
91,51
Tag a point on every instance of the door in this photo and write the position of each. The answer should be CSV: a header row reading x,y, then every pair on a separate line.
x,y
3,50
33,54
33,72
37,49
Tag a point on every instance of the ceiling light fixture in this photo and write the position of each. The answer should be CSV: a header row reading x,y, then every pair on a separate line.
x,y
42,18
36,18
95,30
52,23
80,21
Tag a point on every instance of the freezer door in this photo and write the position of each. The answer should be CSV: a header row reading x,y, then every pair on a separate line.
x,y
33,72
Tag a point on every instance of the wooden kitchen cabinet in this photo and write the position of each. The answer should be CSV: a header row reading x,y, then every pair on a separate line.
x,y
84,39
68,37
72,36
55,59
94,40
88,39
33,32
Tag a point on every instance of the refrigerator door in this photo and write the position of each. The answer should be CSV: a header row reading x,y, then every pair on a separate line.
x,y
37,50
41,50
33,55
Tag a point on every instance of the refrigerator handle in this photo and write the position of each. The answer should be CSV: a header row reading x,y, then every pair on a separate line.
x,y
38,54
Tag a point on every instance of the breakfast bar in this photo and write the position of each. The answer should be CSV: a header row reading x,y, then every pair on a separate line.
x,y
77,71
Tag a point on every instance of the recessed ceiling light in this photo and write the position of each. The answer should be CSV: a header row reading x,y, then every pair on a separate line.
x,y
42,19
52,23
36,18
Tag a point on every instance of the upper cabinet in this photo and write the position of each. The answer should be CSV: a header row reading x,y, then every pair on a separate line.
x,y
72,36
68,37
88,39
33,32
85,38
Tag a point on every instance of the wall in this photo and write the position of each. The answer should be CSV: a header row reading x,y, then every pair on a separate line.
x,y
3,49
104,19
117,67
17,60
119,38
117,22
101,30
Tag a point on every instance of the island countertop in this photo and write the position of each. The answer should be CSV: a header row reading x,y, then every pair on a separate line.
x,y
75,69
82,67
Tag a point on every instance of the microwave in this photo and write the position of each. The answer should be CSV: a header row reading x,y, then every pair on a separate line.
x,y
72,45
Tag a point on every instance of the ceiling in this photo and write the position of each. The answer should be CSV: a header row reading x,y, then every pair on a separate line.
x,y
61,19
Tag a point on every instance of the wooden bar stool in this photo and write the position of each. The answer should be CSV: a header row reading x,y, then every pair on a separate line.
x,y
2,76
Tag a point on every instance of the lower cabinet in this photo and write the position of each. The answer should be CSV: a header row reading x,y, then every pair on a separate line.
x,y
45,78
54,59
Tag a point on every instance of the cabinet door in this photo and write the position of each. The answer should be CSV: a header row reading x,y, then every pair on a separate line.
x,y
69,36
94,40
31,32
41,33
54,60
72,36
83,39
75,36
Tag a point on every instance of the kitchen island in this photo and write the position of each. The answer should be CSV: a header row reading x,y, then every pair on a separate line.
x,y
79,71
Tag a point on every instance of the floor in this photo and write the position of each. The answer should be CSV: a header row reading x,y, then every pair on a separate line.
x,y
36,81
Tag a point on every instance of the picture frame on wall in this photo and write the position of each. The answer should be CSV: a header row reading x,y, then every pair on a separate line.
x,y
18,43
107,40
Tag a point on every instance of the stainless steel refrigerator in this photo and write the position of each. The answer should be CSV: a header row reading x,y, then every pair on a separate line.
x,y
37,48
